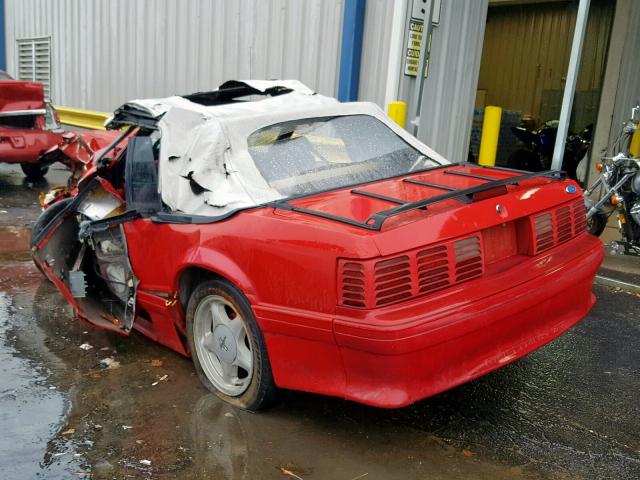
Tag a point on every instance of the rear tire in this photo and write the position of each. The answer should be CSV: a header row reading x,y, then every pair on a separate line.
x,y
222,304
34,171
597,224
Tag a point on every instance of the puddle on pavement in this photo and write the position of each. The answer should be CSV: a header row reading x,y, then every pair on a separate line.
x,y
32,410
14,242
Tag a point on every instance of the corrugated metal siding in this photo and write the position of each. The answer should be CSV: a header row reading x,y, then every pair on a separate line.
x,y
107,52
526,52
375,51
450,88
628,93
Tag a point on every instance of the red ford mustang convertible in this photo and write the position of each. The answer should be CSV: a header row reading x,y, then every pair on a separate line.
x,y
285,240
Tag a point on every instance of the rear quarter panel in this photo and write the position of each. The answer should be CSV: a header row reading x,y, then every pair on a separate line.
x,y
287,270
272,259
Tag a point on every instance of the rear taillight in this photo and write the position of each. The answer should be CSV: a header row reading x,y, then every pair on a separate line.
x,y
384,281
579,217
556,226
353,283
433,269
468,257
393,280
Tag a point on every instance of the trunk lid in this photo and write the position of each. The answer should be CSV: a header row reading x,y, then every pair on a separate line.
x,y
18,95
441,202
487,220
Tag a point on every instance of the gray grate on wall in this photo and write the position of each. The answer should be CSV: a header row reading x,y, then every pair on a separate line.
x,y
34,61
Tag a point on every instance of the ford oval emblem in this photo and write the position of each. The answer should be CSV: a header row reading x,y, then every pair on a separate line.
x,y
571,189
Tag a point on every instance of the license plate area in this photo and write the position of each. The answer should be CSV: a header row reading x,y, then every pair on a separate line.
x,y
506,242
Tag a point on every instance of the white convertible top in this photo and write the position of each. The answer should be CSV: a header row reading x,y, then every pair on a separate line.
x,y
205,167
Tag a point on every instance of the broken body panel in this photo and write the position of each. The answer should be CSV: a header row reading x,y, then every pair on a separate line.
x,y
463,269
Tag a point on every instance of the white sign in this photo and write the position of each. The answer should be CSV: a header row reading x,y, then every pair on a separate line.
x,y
414,36
419,10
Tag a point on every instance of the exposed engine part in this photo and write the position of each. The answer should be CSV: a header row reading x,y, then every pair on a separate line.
x,y
100,204
77,284
76,278
112,262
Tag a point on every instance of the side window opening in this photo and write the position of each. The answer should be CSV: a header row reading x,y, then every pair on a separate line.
x,y
141,176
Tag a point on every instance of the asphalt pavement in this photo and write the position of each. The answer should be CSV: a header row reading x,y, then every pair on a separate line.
x,y
79,402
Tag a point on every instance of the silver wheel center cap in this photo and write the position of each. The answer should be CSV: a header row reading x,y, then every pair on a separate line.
x,y
224,344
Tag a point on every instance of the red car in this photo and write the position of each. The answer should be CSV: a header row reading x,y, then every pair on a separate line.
x,y
28,125
285,240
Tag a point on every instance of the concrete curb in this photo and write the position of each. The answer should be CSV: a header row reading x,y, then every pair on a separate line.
x,y
612,282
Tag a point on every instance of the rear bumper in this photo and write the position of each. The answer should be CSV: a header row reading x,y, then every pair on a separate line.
x,y
25,146
399,355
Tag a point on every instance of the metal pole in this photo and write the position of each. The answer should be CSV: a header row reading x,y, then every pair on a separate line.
x,y
570,85
394,65
427,28
351,49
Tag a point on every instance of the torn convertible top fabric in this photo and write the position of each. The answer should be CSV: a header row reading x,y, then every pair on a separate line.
x,y
205,167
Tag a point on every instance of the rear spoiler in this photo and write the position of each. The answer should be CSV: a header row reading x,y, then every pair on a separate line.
x,y
466,195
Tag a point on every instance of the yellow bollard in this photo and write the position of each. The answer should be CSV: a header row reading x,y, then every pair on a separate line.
x,y
397,111
634,146
490,133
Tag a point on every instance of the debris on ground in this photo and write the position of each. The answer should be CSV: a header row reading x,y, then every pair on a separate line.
x,y
145,462
156,363
70,431
127,427
161,379
86,347
109,363
289,473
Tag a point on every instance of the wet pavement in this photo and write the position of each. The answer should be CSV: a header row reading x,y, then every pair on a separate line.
x,y
128,408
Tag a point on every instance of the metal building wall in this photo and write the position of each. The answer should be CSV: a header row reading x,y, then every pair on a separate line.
x,y
628,91
107,52
526,52
375,50
450,88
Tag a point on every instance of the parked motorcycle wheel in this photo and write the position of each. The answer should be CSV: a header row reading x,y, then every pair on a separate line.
x,y
597,223
525,160
34,171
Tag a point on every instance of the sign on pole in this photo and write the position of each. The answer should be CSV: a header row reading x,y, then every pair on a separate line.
x,y
414,35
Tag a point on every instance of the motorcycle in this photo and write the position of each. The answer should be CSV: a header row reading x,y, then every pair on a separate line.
x,y
539,152
620,192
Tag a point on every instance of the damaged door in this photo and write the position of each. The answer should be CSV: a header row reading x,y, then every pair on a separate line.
x,y
83,250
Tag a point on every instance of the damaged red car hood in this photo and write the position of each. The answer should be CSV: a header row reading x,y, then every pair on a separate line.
x,y
20,95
